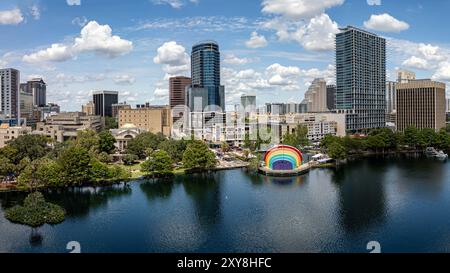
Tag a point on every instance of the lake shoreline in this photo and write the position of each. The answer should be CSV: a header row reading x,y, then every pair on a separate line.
x,y
334,164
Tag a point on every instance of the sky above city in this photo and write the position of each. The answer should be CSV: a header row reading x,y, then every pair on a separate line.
x,y
270,48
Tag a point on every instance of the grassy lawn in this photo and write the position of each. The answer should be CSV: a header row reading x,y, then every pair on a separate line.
x,y
135,170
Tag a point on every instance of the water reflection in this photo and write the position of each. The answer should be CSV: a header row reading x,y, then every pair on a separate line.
x,y
284,181
362,195
205,192
77,202
332,210
36,238
421,174
155,189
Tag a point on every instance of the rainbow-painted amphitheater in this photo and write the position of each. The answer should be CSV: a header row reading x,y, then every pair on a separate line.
x,y
284,160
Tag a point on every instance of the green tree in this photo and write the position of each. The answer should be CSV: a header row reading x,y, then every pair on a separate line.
x,y
99,171
103,157
443,140
174,148
111,123
144,141
119,173
298,138
411,137
376,142
106,142
6,167
427,138
328,140
31,146
354,145
225,147
75,163
337,151
198,156
41,172
248,144
158,163
89,140
36,212
130,159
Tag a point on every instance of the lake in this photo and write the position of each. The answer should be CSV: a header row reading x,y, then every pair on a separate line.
x,y
403,203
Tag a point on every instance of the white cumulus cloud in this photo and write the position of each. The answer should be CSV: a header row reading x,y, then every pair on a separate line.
x,y
256,41
73,2
80,21
124,79
11,17
93,38
35,12
443,72
176,4
386,23
234,60
299,9
98,38
161,92
319,34
55,53
374,2
173,57
430,52
416,62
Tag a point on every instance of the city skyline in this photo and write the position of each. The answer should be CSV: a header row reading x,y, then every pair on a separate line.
x,y
266,48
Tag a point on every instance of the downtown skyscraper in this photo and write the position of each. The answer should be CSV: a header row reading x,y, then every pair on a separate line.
x,y
205,70
103,101
9,93
361,79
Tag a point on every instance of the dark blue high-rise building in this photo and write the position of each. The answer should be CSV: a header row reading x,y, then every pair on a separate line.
x,y
205,70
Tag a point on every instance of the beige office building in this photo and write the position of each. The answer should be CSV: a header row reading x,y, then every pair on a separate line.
x,y
63,126
420,103
404,76
117,107
155,119
8,133
316,97
88,108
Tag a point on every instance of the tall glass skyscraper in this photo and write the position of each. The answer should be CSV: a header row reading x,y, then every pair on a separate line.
x,y
205,70
361,78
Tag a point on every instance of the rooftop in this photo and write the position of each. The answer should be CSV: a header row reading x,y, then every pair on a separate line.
x,y
348,28
205,42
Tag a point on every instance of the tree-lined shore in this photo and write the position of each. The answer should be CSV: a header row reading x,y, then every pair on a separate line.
x,y
35,162
385,141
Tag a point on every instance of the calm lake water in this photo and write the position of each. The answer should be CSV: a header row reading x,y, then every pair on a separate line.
x,y
402,203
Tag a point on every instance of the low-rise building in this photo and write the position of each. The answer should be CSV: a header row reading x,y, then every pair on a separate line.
x,y
63,126
8,133
155,119
124,134
228,127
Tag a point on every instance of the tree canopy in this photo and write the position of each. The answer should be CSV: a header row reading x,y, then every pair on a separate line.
x,y
36,212
198,156
158,163
298,138
144,141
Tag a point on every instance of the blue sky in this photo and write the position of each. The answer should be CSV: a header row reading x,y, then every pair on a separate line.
x,y
271,48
